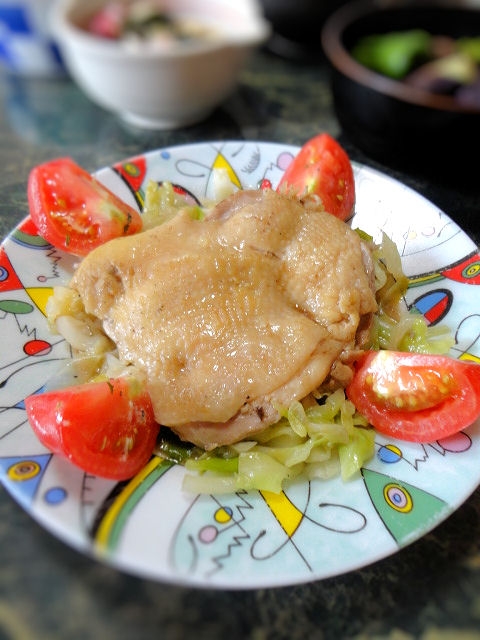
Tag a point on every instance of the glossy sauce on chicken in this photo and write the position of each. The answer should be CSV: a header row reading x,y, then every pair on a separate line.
x,y
235,315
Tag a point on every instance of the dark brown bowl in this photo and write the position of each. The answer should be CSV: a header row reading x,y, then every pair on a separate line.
x,y
388,120
296,24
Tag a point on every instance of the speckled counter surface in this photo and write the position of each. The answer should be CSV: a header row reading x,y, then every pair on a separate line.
x,y
429,590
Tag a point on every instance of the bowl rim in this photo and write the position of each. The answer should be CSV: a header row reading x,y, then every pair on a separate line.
x,y
342,61
69,34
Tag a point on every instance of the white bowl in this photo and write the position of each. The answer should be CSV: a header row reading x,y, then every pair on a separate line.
x,y
161,89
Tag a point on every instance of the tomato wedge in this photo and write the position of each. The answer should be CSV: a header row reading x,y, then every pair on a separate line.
x,y
416,397
323,168
106,428
74,211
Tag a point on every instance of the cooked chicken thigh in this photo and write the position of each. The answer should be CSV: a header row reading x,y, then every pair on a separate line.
x,y
234,315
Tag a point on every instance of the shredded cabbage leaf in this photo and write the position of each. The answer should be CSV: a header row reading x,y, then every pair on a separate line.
x,y
395,326
321,440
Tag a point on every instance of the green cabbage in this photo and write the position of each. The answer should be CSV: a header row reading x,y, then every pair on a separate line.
x,y
321,440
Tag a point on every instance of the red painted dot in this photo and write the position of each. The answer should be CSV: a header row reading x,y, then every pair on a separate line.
x,y
37,347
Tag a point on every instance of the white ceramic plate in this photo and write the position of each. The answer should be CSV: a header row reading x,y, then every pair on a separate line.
x,y
247,540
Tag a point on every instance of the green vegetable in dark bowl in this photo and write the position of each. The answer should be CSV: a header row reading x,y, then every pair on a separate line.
x,y
418,121
393,54
435,63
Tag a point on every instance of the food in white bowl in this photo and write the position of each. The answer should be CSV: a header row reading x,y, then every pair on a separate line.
x,y
147,22
162,87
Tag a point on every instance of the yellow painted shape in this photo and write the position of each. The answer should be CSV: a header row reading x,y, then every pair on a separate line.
x,y
469,357
222,516
287,514
394,449
39,296
110,517
431,277
221,162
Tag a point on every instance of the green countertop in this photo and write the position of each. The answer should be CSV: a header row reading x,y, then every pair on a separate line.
x,y
428,590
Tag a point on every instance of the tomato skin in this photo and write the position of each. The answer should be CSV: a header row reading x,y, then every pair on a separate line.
x,y
73,211
322,167
458,409
105,428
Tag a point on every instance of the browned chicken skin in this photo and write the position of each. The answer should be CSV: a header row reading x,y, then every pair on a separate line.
x,y
234,315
